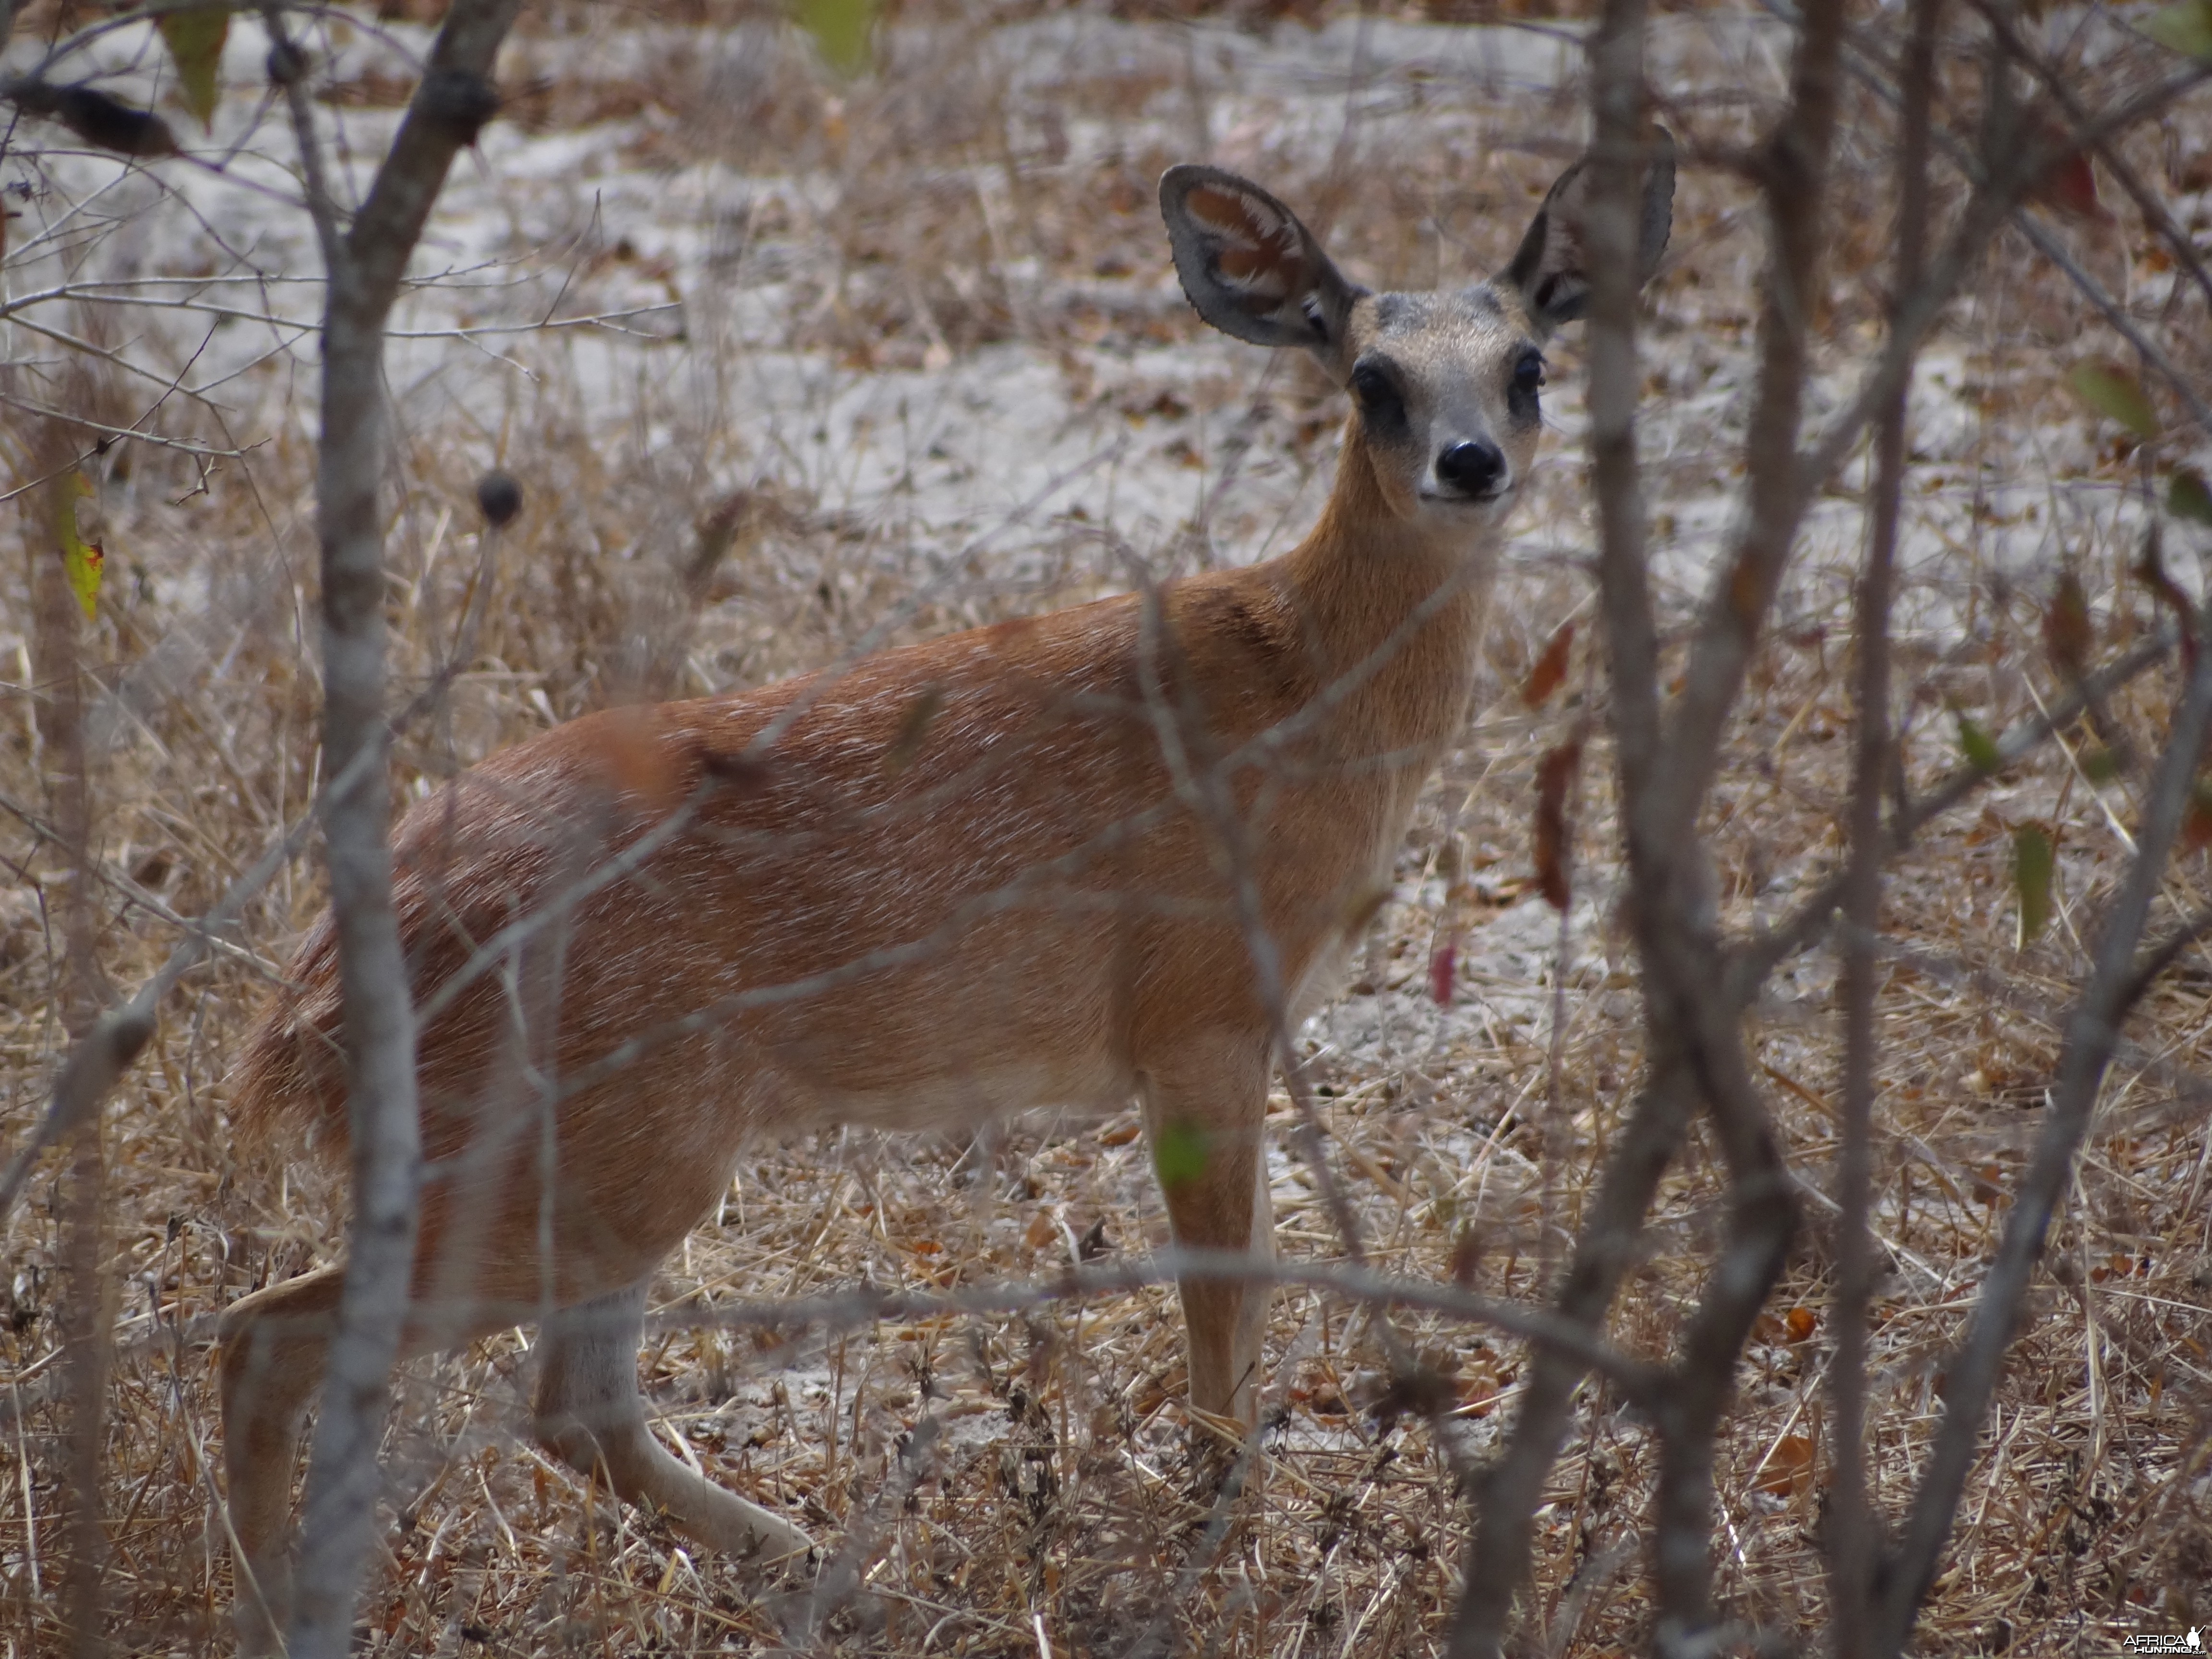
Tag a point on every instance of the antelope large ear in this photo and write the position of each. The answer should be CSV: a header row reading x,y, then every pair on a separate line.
x,y
1251,268
1549,269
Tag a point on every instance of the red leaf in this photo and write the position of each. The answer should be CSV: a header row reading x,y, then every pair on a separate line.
x,y
1467,1257
2070,185
2069,181
1550,668
1554,842
1442,964
2197,826
2066,634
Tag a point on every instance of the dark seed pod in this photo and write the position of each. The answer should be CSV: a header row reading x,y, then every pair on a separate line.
x,y
287,64
461,100
500,498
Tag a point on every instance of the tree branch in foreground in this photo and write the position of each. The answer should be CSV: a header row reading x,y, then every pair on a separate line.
x,y
451,104
1853,1547
1510,1489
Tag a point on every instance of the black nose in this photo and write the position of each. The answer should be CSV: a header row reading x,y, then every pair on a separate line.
x,y
1471,468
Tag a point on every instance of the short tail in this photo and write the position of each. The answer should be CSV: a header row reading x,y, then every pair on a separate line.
x,y
289,1084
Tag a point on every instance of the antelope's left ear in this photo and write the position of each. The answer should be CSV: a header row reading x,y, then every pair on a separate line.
x,y
1549,272
1251,268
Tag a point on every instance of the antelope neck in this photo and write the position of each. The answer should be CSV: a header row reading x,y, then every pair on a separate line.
x,y
1365,574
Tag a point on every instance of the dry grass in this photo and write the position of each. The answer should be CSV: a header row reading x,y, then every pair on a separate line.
x,y
978,221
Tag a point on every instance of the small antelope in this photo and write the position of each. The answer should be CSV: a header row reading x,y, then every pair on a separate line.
x,y
1104,854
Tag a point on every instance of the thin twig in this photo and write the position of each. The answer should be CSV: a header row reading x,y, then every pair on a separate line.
x,y
363,269
1753,961
1853,1545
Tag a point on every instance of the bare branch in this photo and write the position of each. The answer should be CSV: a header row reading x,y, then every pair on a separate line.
x,y
1999,184
2164,954
1792,168
88,1328
1853,1547
2115,161
843,1576
849,1310
1512,1488
2115,315
288,67
867,1304
450,104
98,1061
1762,1224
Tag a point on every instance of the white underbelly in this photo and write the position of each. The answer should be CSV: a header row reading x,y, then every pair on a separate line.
x,y
968,1098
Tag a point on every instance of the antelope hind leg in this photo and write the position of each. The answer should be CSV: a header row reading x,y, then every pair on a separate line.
x,y
590,1415
273,1344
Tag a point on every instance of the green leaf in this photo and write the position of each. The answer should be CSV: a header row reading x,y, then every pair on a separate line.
x,y
2099,765
842,31
2117,396
1179,1153
1980,748
196,37
2186,29
2033,860
2187,497
85,562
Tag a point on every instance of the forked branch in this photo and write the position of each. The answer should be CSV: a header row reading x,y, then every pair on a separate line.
x,y
364,266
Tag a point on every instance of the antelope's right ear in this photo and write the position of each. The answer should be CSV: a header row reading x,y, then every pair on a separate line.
x,y
1251,268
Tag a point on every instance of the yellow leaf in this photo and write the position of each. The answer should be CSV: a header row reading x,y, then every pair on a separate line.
x,y
1551,667
86,561
195,36
1788,1466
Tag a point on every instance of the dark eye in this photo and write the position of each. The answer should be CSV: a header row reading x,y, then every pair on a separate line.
x,y
1529,373
1377,395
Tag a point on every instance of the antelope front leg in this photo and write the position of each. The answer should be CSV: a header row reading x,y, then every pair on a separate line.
x,y
1203,1110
